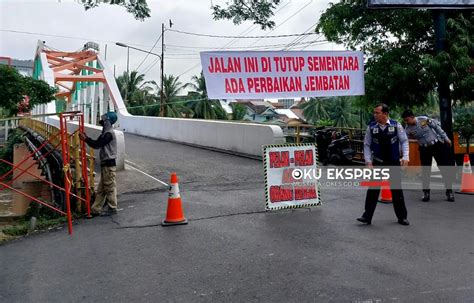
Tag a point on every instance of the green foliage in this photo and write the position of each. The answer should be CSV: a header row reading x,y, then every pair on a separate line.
x,y
338,110
324,123
42,223
259,12
205,108
14,86
138,8
341,112
315,109
171,87
464,122
238,111
135,90
457,63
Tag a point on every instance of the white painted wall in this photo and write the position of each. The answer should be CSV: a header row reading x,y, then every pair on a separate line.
x,y
239,138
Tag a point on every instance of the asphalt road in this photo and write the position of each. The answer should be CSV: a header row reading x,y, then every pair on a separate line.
x,y
233,251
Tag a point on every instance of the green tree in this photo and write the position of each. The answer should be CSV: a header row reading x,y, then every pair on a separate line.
x,y
341,112
238,111
457,63
204,108
240,11
464,122
138,8
171,87
135,90
14,86
315,109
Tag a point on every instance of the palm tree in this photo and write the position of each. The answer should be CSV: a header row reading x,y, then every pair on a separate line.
x,y
205,108
171,87
341,112
134,89
315,109
238,111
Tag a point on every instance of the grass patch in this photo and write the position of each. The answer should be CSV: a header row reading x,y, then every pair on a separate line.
x,y
22,227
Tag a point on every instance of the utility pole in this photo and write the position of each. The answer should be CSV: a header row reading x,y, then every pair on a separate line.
x,y
162,97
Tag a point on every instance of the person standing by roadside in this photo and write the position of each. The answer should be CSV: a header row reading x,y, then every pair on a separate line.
x,y
106,142
382,148
434,142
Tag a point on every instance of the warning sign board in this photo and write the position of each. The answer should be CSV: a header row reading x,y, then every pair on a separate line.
x,y
282,188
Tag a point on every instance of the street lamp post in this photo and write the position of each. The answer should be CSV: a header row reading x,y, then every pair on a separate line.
x,y
161,59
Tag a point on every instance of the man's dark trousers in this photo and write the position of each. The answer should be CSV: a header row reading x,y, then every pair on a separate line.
x,y
444,160
397,193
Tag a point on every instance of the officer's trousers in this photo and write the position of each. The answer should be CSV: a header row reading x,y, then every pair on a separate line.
x,y
444,160
372,196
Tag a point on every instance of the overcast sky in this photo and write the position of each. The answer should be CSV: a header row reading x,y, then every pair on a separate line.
x,y
108,24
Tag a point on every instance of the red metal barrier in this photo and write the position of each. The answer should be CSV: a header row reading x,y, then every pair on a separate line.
x,y
66,156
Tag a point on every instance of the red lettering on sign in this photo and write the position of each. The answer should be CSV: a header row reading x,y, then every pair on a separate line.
x,y
305,192
281,193
233,85
227,65
304,157
279,159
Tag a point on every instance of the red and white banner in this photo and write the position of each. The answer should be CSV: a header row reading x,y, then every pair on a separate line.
x,y
282,74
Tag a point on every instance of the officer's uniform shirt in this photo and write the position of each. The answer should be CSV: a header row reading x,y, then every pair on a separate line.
x,y
426,131
402,138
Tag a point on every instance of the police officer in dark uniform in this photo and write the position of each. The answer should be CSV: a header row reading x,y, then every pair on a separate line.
x,y
435,143
382,148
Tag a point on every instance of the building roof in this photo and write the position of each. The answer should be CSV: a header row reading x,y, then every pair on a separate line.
x,y
22,63
287,112
256,106
299,113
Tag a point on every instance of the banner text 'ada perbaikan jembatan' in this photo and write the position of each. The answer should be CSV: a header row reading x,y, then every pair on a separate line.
x,y
278,74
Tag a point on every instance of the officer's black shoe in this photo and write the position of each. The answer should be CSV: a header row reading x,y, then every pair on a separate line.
x,y
403,222
364,220
450,195
426,196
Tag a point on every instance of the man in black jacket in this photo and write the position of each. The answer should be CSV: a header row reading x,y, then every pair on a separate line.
x,y
106,142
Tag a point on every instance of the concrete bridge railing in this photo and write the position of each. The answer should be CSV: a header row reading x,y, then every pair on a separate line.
x,y
238,138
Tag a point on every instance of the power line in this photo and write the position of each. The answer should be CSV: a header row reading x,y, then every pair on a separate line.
x,y
286,20
243,37
67,37
299,39
184,47
150,51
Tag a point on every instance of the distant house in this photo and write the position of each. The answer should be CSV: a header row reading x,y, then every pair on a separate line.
x,y
259,110
293,114
24,67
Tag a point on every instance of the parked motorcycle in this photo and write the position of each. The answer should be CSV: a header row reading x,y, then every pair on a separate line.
x,y
323,137
339,150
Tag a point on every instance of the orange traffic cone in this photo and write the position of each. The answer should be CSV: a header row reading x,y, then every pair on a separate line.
x,y
385,195
467,183
174,212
